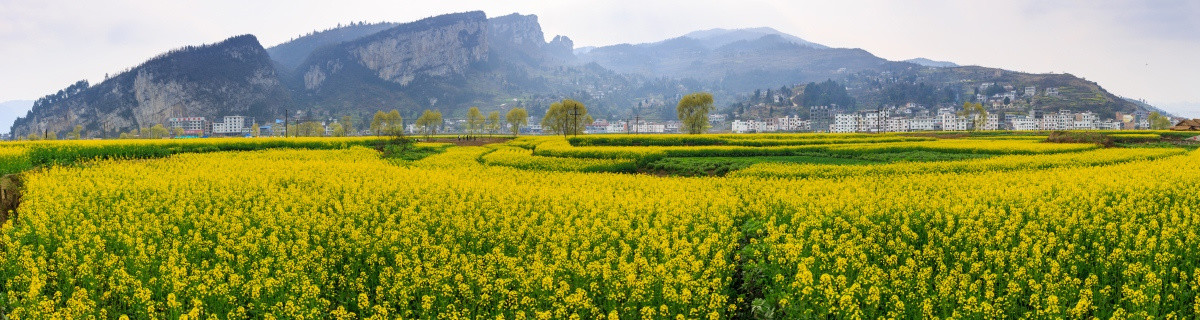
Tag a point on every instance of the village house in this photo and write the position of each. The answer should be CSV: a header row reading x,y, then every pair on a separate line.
x,y
1187,125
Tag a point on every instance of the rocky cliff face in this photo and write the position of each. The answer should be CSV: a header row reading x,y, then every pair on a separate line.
x,y
439,46
519,38
233,77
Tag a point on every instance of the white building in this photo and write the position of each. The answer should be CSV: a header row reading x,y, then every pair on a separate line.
x,y
232,125
649,127
897,125
1086,121
1025,123
617,126
1058,121
924,124
1109,125
739,126
950,121
872,121
844,123
992,122
672,127
192,126
793,123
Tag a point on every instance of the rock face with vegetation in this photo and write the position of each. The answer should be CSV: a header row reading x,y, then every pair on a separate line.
x,y
456,61
232,77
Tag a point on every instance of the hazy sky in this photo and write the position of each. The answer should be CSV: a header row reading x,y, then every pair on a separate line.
x,y
1141,49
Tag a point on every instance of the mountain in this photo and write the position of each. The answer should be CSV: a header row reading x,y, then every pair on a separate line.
x,y
773,60
455,61
292,53
1149,108
232,77
714,38
769,60
932,63
10,110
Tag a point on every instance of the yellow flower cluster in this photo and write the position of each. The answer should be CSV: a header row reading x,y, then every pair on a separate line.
x,y
561,148
999,163
13,158
1115,241
317,234
1040,230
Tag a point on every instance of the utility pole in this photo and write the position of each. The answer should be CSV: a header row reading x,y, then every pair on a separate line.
x,y
285,123
575,122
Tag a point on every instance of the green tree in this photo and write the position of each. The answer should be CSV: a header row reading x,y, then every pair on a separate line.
x,y
693,111
338,129
157,132
493,122
377,123
976,112
429,122
33,137
348,125
390,123
517,118
566,117
177,132
1159,122
474,120
394,123
254,130
76,133
310,129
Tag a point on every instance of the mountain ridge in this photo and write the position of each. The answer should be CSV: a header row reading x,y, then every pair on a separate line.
x,y
453,61
232,76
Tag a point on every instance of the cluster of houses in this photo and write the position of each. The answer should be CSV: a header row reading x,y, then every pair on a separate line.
x,y
822,119
905,119
201,127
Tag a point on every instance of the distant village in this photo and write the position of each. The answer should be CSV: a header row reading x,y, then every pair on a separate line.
x,y
904,118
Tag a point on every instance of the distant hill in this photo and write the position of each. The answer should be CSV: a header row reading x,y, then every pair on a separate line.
x,y
932,63
1148,107
769,60
233,77
10,110
714,38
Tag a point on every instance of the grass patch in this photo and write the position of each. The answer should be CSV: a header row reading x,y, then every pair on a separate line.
x,y
719,166
1080,137
921,156
408,150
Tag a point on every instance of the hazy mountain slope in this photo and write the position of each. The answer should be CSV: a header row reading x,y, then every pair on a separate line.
x,y
292,53
719,37
233,77
932,63
769,60
10,110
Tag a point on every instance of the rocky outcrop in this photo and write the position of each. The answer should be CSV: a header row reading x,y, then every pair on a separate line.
x,y
436,46
519,38
562,48
516,30
233,77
